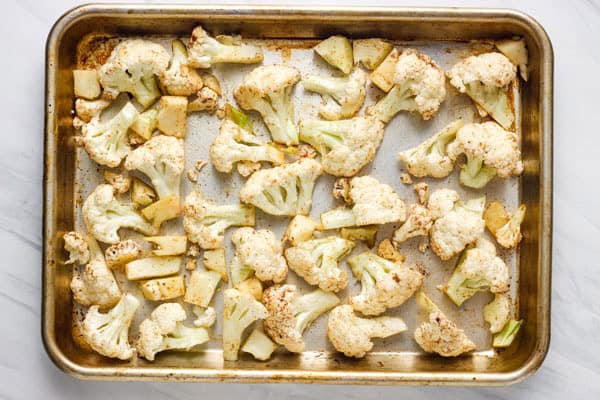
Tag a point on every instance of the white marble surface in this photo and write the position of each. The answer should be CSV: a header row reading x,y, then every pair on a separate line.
x,y
572,367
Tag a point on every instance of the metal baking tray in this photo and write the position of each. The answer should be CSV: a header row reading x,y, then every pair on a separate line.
x,y
287,35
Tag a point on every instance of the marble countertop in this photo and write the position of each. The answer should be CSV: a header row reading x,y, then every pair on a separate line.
x,y
572,367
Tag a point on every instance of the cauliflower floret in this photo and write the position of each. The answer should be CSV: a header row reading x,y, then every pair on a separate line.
x,y
345,146
457,228
87,110
419,85
179,79
206,51
509,235
258,252
106,141
108,334
259,345
122,253
343,96
479,268
487,78
205,222
441,202
205,317
489,149
352,335
283,190
131,68
234,144
439,334
77,247
164,330
268,89
498,312
372,203
104,215
317,261
240,310
119,180
384,284
422,191
430,158
162,160
289,314
206,100
95,284
419,223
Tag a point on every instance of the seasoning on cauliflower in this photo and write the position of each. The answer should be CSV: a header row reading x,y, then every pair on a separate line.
x,y
234,144
267,89
283,190
430,158
487,79
290,314
457,227
506,228
164,330
515,49
108,333
419,223
87,110
479,268
240,310
419,85
257,252
131,68
317,261
204,50
95,284
162,160
490,151
205,100
77,247
179,79
345,146
104,215
343,96
372,203
122,253
498,312
300,229
384,284
352,335
205,222
106,141
438,334
441,202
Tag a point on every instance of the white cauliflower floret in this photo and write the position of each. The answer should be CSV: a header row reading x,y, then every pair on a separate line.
x,y
283,190
131,68
487,78
441,202
104,215
205,222
108,334
419,85
345,146
164,330
290,314
205,317
77,247
509,235
479,268
489,149
234,144
268,89
240,310
205,100
498,312
372,203
430,158
95,284
206,51
179,79
162,160
456,229
440,335
87,110
317,261
257,252
343,96
122,253
419,223
107,142
384,284
352,335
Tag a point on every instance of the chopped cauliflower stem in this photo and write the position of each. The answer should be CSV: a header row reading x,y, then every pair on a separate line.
x,y
507,335
301,228
180,79
204,50
498,312
259,345
77,247
419,223
201,287
509,235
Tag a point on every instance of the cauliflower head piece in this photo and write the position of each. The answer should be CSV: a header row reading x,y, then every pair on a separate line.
x,y
346,146
206,50
419,223
288,314
498,312
180,79
122,253
77,247
352,335
283,190
441,202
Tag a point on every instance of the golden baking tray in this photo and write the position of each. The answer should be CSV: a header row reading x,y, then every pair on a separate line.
x,y
305,25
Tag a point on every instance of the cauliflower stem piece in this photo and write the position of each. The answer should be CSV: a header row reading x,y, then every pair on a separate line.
x,y
204,50
259,345
506,336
